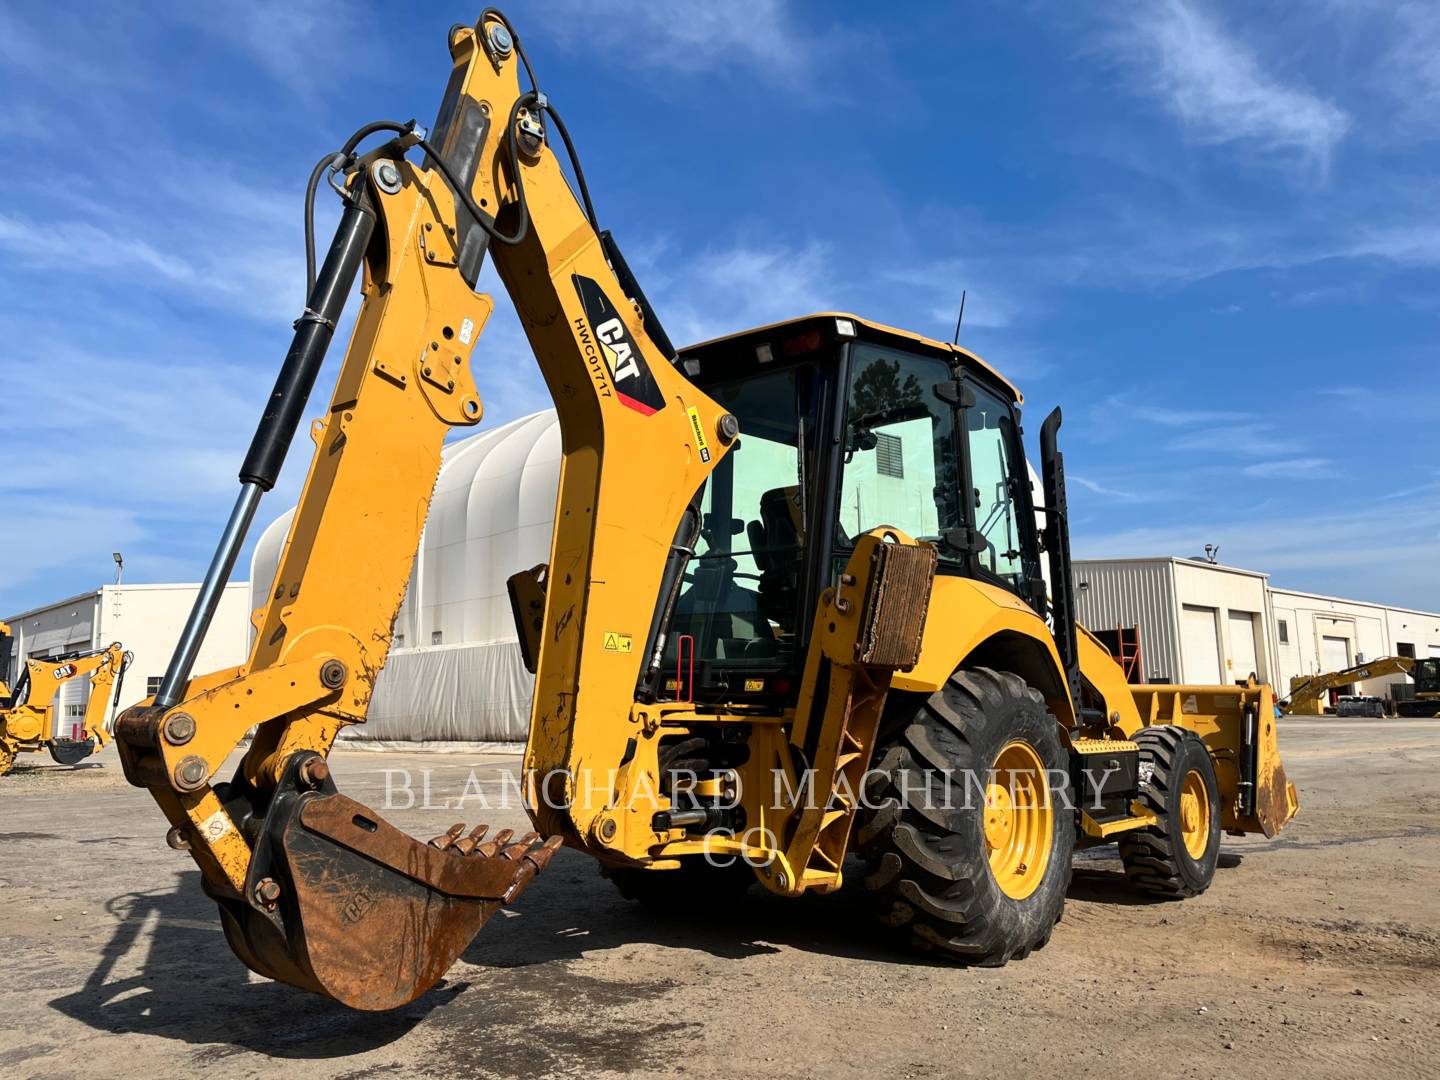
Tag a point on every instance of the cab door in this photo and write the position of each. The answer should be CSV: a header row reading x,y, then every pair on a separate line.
x,y
1003,547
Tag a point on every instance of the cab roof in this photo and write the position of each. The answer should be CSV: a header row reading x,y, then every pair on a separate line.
x,y
865,330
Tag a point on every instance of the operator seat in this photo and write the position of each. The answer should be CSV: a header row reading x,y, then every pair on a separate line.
x,y
777,544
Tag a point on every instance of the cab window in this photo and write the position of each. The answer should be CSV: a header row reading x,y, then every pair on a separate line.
x,y
900,464
990,447
740,602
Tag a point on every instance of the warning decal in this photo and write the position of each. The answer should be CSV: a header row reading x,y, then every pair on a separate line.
x,y
621,643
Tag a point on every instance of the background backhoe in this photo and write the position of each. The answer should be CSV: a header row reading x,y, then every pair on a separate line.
x,y
27,712
795,608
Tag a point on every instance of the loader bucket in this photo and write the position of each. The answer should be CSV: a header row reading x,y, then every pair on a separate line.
x,y
1237,724
340,903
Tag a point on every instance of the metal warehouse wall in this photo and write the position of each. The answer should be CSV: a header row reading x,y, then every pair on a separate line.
x,y
64,627
146,619
1238,601
1133,592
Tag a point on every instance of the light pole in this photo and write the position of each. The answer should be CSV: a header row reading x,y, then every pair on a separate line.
x,y
119,566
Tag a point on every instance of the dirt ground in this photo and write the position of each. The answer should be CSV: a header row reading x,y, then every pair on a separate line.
x,y
1316,954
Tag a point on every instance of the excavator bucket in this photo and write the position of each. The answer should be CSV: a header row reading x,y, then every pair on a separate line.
x,y
72,751
340,903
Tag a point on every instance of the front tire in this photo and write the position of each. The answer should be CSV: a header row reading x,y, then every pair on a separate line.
x,y
969,832
1176,857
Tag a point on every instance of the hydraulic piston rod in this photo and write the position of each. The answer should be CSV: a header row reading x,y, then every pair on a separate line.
x,y
313,333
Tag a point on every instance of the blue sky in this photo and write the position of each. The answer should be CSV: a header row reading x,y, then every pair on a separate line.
x,y
1208,230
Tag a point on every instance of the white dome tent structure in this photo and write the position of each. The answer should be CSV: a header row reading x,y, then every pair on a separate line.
x,y
455,672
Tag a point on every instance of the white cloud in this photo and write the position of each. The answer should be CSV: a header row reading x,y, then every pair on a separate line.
x,y
1410,70
722,290
759,36
1114,494
245,267
1218,89
1243,440
1305,468
941,282
62,533
280,36
1170,417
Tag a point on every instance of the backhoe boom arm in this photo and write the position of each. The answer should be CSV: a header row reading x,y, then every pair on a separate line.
x,y
325,630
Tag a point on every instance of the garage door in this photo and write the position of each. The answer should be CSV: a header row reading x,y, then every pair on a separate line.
x,y
1335,653
70,707
1199,645
1242,645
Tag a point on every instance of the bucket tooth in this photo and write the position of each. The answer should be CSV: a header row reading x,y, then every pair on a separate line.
x,y
520,847
449,836
467,845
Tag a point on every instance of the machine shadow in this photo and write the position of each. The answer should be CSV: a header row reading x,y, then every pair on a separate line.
x,y
576,912
571,911
1098,886
167,971
1103,885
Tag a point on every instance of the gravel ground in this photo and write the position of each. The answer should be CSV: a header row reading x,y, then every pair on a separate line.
x,y
1316,954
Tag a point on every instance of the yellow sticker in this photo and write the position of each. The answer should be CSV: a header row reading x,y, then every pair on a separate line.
x,y
752,685
698,430
618,642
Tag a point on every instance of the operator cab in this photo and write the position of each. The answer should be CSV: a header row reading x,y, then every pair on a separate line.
x,y
845,425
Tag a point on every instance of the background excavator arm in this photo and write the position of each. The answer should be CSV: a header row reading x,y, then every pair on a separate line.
x,y
1307,693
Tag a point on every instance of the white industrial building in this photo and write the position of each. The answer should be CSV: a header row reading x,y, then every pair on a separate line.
x,y
1198,622
1313,634
146,619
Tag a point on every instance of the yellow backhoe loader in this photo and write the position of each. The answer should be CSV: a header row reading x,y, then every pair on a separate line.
x,y
1307,692
741,673
27,714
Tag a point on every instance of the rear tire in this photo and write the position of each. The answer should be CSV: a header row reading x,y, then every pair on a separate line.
x,y
934,834
1176,857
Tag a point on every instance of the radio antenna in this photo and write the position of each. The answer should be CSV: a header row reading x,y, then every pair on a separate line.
x,y
961,319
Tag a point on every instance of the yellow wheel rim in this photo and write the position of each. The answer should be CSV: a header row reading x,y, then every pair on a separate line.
x,y
1019,820
1195,814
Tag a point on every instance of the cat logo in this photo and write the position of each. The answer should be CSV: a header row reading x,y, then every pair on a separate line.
x,y
64,671
624,363
622,357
